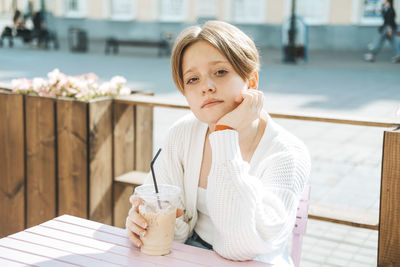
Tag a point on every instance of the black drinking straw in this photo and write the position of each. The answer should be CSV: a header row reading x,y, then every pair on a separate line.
x,y
154,176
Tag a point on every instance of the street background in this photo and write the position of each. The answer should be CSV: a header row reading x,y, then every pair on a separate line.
x,y
346,160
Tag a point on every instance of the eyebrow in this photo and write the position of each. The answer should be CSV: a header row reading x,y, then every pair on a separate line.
x,y
211,63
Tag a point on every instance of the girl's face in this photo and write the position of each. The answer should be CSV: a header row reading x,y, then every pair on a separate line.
x,y
211,85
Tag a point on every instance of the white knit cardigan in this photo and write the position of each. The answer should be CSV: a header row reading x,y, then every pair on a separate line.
x,y
252,205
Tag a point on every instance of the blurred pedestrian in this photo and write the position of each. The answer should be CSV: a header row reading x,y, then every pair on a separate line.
x,y
40,30
19,27
387,31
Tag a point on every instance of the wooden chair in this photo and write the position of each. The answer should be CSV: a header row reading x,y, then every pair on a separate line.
x,y
300,226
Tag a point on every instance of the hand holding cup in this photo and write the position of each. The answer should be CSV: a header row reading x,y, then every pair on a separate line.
x,y
147,222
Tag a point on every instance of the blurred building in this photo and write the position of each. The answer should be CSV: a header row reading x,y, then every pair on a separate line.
x,y
333,24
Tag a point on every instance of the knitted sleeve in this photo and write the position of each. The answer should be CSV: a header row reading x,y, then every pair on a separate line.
x,y
168,169
253,214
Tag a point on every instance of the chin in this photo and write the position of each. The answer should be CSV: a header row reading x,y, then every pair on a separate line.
x,y
209,118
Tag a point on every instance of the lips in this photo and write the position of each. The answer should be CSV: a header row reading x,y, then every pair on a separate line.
x,y
211,102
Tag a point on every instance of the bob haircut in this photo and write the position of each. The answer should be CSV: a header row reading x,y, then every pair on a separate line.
x,y
231,42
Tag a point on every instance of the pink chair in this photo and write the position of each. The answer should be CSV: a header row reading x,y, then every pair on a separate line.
x,y
300,226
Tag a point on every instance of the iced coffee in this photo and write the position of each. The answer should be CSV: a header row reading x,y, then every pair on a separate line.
x,y
159,210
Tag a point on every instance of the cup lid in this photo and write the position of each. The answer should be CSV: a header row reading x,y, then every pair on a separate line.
x,y
165,190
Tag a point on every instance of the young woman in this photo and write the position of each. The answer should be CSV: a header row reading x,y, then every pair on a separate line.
x,y
241,174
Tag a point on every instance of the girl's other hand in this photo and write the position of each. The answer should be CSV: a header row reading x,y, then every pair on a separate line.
x,y
250,104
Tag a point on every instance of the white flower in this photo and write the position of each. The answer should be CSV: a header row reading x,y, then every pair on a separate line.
x,y
21,85
82,87
63,83
39,85
125,91
91,77
118,80
54,76
104,88
108,88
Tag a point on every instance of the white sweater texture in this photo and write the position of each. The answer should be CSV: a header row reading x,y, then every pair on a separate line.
x,y
252,205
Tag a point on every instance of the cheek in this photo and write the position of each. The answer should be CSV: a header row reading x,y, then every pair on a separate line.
x,y
237,88
237,85
192,101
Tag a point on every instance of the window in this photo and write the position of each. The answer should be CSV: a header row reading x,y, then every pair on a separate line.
x,y
122,9
173,10
207,8
371,12
313,12
371,8
248,11
76,8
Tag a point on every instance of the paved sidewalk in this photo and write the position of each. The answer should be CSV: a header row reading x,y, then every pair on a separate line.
x,y
346,159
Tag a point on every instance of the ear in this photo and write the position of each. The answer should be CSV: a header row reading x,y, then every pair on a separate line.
x,y
253,80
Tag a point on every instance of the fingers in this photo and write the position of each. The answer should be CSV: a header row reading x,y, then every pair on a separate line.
x,y
255,99
134,239
245,112
135,217
135,223
135,201
135,228
134,232
239,99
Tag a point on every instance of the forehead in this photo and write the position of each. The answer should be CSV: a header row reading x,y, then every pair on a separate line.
x,y
201,53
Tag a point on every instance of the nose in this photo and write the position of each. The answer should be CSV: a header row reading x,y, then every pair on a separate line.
x,y
208,87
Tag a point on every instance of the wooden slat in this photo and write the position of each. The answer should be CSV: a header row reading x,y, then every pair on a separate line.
x,y
81,222
133,178
40,160
75,247
340,119
122,192
12,166
6,86
28,259
72,157
124,186
123,139
100,161
51,253
137,99
143,137
10,263
344,222
76,238
389,232
124,157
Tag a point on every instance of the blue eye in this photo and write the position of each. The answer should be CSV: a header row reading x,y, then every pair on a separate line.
x,y
221,72
192,80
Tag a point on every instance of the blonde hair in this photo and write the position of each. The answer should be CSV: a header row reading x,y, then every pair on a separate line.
x,y
234,44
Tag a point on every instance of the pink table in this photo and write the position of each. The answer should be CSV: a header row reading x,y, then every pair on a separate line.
x,y
72,241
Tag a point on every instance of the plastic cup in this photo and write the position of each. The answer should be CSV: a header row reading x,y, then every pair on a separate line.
x,y
160,221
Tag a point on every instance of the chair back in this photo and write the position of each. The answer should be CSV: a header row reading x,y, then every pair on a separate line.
x,y
300,226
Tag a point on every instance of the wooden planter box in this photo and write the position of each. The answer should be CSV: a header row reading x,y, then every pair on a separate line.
x,y
60,156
